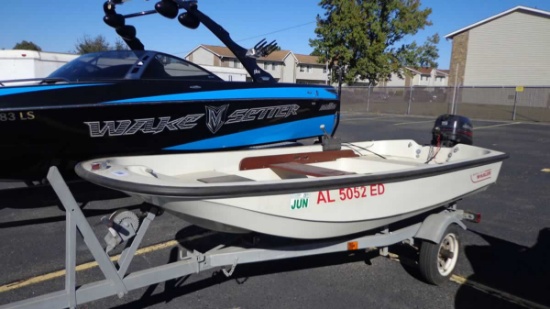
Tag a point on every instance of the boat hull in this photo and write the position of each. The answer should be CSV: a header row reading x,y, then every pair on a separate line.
x,y
371,192
45,125
317,214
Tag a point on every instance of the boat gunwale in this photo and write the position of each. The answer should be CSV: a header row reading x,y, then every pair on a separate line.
x,y
284,187
114,83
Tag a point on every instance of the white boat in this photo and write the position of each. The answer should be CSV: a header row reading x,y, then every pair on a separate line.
x,y
302,192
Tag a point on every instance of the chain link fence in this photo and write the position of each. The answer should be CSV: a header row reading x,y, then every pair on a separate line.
x,y
496,103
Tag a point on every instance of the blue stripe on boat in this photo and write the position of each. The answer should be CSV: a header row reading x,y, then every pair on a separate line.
x,y
250,93
302,129
23,89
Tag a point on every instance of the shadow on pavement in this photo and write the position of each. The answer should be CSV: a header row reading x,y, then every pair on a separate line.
x,y
44,195
203,240
520,271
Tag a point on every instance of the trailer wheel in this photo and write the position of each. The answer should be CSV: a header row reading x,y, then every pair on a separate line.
x,y
437,261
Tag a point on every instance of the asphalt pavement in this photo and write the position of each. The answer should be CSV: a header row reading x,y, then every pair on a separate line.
x,y
504,263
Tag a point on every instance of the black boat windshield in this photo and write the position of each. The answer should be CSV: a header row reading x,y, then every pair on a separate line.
x,y
164,66
97,66
128,64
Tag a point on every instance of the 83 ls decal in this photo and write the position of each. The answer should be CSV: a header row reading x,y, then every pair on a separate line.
x,y
17,116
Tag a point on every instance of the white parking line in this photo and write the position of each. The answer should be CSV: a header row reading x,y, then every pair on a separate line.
x,y
497,125
413,122
367,118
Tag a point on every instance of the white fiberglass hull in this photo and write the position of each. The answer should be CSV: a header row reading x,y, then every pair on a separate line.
x,y
328,213
375,191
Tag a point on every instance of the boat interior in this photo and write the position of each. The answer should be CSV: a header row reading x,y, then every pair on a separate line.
x,y
300,165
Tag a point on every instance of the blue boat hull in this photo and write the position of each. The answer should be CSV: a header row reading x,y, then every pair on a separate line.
x,y
65,123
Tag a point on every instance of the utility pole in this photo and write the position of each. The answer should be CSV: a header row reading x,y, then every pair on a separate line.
x,y
455,89
327,77
340,71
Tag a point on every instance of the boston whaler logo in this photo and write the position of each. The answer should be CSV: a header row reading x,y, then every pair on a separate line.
x,y
480,176
216,118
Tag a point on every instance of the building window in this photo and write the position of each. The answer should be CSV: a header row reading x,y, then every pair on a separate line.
x,y
308,68
236,63
324,69
266,65
301,68
273,66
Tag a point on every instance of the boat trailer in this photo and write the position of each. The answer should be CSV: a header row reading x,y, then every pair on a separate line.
x,y
437,234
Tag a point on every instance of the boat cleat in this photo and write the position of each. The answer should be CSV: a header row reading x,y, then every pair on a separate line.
x,y
99,165
123,225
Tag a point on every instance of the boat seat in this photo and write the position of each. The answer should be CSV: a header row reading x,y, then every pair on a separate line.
x,y
249,163
311,170
225,178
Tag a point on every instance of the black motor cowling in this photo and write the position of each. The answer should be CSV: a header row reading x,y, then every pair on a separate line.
x,y
450,130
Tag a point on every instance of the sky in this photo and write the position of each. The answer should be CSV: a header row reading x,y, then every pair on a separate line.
x,y
57,25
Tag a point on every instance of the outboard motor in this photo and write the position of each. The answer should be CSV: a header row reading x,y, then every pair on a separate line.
x,y
450,130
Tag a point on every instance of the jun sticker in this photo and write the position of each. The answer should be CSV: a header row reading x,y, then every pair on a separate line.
x,y
299,201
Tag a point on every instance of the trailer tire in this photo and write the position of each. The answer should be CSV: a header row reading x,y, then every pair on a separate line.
x,y
438,260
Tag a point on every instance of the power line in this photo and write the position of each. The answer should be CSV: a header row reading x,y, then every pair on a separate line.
x,y
263,35
281,30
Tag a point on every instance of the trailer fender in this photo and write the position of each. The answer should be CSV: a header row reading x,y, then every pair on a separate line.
x,y
434,226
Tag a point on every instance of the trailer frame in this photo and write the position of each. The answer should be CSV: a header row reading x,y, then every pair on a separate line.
x,y
118,281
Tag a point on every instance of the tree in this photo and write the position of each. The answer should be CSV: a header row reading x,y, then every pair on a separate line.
x,y
88,45
315,52
120,45
27,46
99,43
424,56
364,35
428,53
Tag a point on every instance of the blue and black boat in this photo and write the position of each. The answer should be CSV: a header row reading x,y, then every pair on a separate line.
x,y
138,101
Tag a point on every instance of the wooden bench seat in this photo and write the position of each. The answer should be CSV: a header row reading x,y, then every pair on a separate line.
x,y
302,157
299,168
223,179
